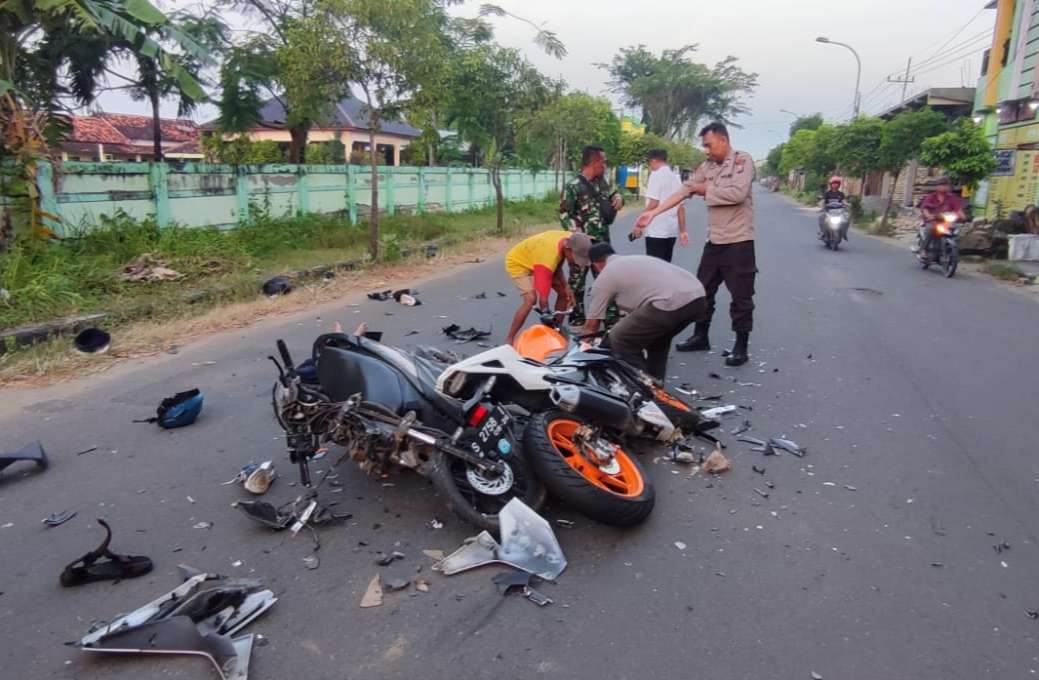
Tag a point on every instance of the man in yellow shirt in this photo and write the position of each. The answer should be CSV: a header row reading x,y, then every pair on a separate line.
x,y
535,265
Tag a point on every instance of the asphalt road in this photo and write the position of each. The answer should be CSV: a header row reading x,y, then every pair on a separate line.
x,y
872,557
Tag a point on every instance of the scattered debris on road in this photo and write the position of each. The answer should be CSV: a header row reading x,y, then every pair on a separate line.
x,y
787,445
101,564
742,428
406,297
460,335
85,451
680,545
180,410
758,469
718,411
59,518
716,463
32,452
528,544
373,594
311,562
199,617
381,296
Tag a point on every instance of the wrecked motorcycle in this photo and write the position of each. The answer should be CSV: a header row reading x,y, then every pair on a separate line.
x,y
581,404
380,404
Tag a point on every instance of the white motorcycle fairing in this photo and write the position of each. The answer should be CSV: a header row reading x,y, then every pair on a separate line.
x,y
503,360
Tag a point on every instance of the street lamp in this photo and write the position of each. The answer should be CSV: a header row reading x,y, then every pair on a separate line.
x,y
858,74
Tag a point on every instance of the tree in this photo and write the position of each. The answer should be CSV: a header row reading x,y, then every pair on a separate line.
x,y
152,84
963,151
390,44
772,162
556,134
633,149
675,93
857,146
491,92
298,59
812,122
900,141
48,53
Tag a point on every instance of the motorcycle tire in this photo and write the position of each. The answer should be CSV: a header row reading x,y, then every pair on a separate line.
x,y
624,498
448,475
834,245
950,262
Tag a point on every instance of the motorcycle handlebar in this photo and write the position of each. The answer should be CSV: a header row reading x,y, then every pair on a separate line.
x,y
283,350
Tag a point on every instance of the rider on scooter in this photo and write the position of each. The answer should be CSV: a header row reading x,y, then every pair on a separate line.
x,y
932,207
832,198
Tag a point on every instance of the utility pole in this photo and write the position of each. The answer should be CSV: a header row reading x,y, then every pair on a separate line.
x,y
905,80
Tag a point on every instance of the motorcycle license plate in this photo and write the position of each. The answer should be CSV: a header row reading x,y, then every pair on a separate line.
x,y
492,435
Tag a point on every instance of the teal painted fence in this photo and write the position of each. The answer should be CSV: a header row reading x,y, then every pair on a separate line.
x,y
198,194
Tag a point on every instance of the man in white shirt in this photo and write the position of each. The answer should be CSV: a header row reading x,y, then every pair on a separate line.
x,y
668,226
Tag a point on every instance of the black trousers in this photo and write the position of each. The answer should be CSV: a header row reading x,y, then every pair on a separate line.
x,y
663,248
643,338
734,265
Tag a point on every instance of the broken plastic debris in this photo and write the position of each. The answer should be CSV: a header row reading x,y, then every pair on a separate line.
x,y
718,411
758,469
743,427
816,676
527,543
680,545
456,333
101,564
536,597
259,480
436,524
787,445
31,452
716,462
311,562
395,584
198,617
763,494
747,439
434,554
381,296
373,594
422,585
568,523
687,389
59,518
203,525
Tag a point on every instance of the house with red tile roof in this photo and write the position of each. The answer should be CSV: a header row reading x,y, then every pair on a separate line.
x,y
128,137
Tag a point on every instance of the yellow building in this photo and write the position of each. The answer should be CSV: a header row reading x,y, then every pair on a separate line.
x,y
348,123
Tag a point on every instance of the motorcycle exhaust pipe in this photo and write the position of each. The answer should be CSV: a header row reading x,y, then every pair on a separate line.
x,y
592,405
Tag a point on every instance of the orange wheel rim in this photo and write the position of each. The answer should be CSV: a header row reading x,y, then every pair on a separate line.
x,y
663,396
627,482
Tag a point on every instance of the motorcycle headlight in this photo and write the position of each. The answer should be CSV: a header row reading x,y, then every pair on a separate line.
x,y
833,220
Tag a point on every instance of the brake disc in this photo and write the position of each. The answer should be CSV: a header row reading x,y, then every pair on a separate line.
x,y
496,485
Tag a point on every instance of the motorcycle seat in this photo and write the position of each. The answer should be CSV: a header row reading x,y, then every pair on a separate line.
x,y
406,382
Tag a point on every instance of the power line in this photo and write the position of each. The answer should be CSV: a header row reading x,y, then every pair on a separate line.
x,y
982,36
961,29
967,46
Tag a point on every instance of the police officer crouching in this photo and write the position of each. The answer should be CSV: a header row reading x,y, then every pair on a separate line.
x,y
658,298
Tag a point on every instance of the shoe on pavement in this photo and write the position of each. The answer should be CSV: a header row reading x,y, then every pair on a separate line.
x,y
698,341
738,355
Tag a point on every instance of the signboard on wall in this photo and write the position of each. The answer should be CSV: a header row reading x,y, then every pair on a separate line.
x,y
1004,162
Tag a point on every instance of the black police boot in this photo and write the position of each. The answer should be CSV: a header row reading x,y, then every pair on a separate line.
x,y
698,341
738,355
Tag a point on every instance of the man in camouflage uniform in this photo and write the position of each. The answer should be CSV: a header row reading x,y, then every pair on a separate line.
x,y
588,206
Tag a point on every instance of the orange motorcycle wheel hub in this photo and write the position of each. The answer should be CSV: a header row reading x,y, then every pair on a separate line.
x,y
626,481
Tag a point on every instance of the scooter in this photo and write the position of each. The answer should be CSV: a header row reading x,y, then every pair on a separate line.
x,y
943,249
381,405
834,225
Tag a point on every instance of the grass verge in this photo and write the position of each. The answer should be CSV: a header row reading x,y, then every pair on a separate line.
x,y
1003,271
218,267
